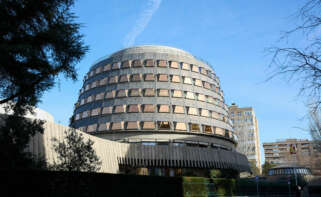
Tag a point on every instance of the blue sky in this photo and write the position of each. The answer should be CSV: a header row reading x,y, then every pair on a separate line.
x,y
231,35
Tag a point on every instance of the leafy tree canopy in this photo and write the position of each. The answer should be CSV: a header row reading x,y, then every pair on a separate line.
x,y
266,167
74,154
39,40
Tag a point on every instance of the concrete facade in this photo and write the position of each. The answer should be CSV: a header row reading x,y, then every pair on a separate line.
x,y
113,154
156,95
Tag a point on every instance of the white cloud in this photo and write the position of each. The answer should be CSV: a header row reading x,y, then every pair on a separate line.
x,y
142,22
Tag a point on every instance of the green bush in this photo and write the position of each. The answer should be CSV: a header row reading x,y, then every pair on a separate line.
x,y
198,186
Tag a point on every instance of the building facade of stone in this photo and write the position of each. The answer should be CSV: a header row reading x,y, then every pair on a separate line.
x,y
293,151
156,96
246,128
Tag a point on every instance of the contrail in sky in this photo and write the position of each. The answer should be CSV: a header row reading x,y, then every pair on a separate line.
x,y
142,22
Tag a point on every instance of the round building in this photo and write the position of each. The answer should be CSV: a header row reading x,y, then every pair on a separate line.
x,y
159,98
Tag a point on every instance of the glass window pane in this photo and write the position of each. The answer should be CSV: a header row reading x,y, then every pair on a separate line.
x,y
174,64
149,63
176,79
162,77
180,126
149,77
162,63
136,63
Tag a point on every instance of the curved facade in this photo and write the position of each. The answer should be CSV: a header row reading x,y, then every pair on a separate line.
x,y
154,95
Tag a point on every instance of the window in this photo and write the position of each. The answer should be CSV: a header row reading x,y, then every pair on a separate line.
x,y
95,112
137,63
132,125
149,92
219,131
178,109
92,128
174,64
180,126
134,108
98,70
149,63
149,77
117,126
163,109
121,93
203,71
201,97
162,63
103,81
111,94
125,64
91,73
177,93
207,129
213,76
87,87
104,126
164,125
204,113
113,79
192,111
207,85
85,114
195,68
187,80
115,66
198,83
162,77
215,115
100,96
82,101
94,84
186,66
135,92
163,92
148,125
107,110
120,109
175,79
136,77
189,95
149,108
194,127
107,67
210,99
123,78
78,116
89,99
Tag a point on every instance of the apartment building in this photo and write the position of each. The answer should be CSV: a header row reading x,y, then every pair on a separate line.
x,y
293,151
247,131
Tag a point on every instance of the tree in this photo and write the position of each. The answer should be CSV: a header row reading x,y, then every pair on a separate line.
x,y
14,137
266,167
74,154
39,40
315,128
255,170
303,63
